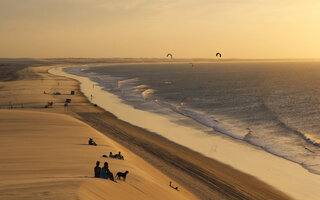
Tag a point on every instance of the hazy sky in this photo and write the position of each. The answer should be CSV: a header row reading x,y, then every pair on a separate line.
x,y
152,28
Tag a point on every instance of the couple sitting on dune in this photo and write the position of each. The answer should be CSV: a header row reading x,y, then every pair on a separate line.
x,y
103,172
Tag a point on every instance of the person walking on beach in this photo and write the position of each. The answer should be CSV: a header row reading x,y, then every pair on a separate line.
x,y
105,172
97,170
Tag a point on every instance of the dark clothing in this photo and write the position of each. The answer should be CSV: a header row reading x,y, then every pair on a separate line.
x,y
110,175
97,170
91,142
105,173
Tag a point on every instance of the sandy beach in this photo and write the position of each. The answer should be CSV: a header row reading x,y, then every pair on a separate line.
x,y
137,99
47,156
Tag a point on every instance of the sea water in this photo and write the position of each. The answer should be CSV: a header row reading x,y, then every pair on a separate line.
x,y
272,105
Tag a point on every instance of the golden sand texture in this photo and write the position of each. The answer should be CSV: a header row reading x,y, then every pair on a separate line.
x,y
46,156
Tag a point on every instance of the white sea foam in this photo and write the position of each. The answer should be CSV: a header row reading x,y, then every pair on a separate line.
x,y
124,82
147,94
141,86
209,121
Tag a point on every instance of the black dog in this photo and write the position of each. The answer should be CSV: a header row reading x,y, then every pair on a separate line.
x,y
123,175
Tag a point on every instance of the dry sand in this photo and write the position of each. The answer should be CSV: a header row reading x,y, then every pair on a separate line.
x,y
45,159
45,156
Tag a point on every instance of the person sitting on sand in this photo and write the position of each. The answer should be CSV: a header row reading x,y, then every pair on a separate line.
x,y
91,142
119,156
111,155
97,170
105,172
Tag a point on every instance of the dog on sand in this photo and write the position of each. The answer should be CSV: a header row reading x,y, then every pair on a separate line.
x,y
122,174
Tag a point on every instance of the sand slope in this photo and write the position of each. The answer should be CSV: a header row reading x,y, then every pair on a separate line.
x,y
68,171
45,156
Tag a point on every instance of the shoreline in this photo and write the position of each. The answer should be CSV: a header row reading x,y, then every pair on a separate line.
x,y
277,176
205,178
186,149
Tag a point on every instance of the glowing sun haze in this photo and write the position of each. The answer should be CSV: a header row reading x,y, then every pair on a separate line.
x,y
152,28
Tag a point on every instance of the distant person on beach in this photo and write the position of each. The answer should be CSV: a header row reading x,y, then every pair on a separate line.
x,y
97,170
105,172
111,155
91,142
118,156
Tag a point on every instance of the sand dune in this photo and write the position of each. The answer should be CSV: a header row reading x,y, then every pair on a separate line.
x,y
46,157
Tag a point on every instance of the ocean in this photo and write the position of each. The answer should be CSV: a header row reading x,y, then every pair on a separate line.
x,y
272,105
